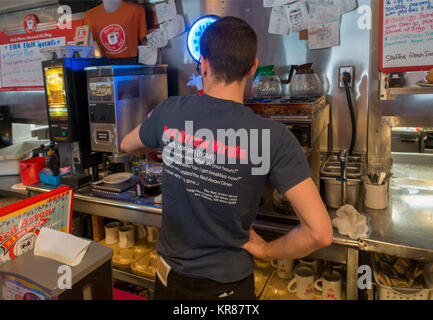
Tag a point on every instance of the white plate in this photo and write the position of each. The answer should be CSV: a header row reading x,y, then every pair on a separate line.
x,y
117,178
424,83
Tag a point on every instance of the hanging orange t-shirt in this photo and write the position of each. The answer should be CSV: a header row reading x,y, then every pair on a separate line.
x,y
117,33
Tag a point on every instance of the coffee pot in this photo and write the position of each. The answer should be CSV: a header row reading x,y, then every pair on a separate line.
x,y
305,82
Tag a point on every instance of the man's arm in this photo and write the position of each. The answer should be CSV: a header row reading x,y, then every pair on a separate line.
x,y
132,144
313,232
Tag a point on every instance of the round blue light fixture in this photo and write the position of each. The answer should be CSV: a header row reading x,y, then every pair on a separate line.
x,y
195,33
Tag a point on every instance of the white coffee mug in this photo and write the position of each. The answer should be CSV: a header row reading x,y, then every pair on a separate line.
x,y
112,232
302,283
284,267
313,263
330,286
152,233
140,231
126,236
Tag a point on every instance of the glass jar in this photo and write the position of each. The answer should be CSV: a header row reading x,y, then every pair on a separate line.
x,y
150,177
306,85
266,84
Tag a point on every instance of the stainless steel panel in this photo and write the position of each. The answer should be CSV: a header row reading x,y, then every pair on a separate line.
x,y
352,274
8,6
409,121
283,51
103,146
131,112
404,229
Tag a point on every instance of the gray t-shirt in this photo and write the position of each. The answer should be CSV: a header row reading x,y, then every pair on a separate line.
x,y
208,207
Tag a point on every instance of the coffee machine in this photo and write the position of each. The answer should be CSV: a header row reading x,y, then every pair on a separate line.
x,y
67,109
120,97
308,118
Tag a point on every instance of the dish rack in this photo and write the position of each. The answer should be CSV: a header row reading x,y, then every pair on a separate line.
x,y
399,293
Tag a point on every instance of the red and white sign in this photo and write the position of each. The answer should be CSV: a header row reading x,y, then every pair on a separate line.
x,y
113,37
20,57
30,23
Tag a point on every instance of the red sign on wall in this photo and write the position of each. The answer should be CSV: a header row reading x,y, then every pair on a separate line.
x,y
20,57
30,23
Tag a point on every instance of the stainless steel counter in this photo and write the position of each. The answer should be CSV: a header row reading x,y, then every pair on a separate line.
x,y
6,182
405,228
132,209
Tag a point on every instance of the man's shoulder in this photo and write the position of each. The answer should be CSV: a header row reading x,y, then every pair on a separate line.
x,y
179,101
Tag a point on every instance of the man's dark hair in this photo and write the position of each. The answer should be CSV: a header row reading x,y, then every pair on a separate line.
x,y
230,46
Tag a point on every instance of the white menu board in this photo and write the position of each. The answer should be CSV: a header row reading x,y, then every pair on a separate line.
x,y
406,35
21,62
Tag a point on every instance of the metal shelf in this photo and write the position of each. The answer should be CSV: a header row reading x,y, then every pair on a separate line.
x,y
390,93
135,280
410,90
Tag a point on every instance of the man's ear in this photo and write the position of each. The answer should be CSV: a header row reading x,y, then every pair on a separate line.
x,y
253,68
204,67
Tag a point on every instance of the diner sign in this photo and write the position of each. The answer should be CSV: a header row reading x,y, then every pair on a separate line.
x,y
406,35
20,56
20,222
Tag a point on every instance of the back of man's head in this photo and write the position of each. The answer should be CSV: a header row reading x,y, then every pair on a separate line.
x,y
230,47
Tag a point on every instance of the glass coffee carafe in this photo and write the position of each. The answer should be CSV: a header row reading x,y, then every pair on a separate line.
x,y
305,82
150,177
267,84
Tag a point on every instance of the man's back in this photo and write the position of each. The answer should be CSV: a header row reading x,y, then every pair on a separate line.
x,y
217,154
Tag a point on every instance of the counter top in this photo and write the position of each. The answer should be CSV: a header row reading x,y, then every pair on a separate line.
x,y
6,182
404,229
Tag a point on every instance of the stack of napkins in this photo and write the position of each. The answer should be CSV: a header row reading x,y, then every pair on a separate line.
x,y
60,246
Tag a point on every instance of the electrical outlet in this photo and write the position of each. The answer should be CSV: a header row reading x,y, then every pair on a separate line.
x,y
343,69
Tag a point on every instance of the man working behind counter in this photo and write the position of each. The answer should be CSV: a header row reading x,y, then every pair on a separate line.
x,y
206,240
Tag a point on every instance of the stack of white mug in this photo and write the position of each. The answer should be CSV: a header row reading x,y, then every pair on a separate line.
x,y
127,234
303,282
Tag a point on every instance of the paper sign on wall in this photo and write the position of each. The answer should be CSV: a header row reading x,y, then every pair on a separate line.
x,y
346,5
147,55
173,27
165,11
275,3
324,27
278,24
297,15
21,61
157,38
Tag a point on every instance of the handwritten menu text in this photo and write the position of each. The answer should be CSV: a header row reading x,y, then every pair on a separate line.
x,y
407,33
